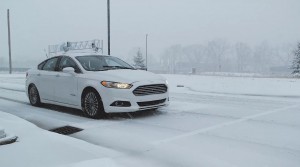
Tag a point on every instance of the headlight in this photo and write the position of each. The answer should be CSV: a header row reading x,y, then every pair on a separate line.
x,y
116,85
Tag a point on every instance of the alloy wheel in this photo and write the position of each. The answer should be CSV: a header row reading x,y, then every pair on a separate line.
x,y
91,104
33,95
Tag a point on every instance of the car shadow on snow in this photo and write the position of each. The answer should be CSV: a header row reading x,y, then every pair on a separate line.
x,y
108,116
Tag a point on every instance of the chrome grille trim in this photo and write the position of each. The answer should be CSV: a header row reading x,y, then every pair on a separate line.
x,y
150,89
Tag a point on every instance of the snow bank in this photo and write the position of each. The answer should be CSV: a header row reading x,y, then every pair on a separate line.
x,y
14,75
12,81
37,147
234,74
239,74
13,86
288,87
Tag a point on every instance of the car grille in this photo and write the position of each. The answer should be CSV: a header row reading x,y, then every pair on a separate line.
x,y
150,89
151,103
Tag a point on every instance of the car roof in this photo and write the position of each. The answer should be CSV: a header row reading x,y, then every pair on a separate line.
x,y
74,54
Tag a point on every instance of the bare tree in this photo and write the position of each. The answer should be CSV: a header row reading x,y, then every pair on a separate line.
x,y
195,53
262,57
243,53
285,56
216,51
172,56
219,55
153,63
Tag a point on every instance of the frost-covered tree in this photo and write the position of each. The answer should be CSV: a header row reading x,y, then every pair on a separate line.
x,y
139,61
296,61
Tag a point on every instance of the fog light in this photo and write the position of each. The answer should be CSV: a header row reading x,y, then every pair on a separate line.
x,y
121,104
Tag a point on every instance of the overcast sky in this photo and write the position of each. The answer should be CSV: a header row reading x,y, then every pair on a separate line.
x,y
37,23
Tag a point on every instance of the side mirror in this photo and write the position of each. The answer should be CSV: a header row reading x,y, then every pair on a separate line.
x,y
69,70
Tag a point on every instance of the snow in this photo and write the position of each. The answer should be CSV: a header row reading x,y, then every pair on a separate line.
x,y
288,87
12,82
94,163
8,139
212,121
37,147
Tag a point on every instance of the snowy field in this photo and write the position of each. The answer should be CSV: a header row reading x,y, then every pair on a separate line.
x,y
212,121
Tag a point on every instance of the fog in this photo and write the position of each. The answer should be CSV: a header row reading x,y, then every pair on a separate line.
x,y
176,28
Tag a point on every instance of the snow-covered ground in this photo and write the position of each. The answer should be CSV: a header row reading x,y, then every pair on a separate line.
x,y
212,121
37,147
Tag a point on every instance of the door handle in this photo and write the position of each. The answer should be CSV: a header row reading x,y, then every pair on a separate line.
x,y
57,75
38,74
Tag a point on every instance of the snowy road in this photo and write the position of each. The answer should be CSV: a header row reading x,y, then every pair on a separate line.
x,y
199,128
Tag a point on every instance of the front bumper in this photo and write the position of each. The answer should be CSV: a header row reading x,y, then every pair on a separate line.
x,y
110,95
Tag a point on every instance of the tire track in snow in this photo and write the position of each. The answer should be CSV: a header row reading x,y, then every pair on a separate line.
x,y
199,131
254,142
16,90
14,100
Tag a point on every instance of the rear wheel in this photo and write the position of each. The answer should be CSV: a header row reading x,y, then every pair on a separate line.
x,y
92,104
34,96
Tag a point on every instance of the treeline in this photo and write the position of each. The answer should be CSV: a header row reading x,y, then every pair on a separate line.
x,y
221,56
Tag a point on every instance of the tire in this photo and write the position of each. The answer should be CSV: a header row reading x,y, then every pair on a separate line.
x,y
92,105
34,96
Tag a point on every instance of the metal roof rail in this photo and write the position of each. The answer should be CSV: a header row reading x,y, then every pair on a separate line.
x,y
95,45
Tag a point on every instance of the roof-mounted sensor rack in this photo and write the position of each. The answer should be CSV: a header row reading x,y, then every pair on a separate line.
x,y
92,45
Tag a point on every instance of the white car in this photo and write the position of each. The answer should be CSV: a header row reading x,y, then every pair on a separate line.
x,y
97,84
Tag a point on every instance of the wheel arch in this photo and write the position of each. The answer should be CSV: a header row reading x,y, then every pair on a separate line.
x,y
85,90
30,85
38,102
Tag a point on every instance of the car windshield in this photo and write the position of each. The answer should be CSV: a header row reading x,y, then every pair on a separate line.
x,y
102,63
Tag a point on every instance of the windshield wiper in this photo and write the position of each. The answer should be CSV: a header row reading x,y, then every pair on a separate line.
x,y
118,67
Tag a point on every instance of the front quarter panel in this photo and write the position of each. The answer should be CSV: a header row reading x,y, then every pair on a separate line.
x,y
83,83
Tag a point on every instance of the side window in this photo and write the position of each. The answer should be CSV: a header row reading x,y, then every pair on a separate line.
x,y
40,66
50,64
67,62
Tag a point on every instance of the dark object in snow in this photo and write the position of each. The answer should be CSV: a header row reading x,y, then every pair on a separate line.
x,y
66,130
180,86
9,140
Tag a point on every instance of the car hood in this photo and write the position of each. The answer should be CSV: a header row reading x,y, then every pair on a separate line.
x,y
124,75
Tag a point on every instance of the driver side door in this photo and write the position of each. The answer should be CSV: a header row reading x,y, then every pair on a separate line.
x,y
66,82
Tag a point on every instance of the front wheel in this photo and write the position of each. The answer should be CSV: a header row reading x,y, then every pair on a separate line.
x,y
34,96
92,105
